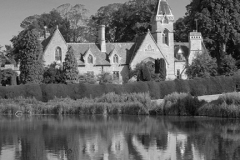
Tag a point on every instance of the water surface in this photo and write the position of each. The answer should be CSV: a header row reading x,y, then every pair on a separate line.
x,y
118,138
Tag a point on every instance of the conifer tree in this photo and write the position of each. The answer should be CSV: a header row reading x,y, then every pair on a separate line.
x,y
28,50
70,67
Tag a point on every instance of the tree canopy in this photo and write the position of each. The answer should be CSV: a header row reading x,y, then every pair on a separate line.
x,y
219,23
202,66
125,21
28,50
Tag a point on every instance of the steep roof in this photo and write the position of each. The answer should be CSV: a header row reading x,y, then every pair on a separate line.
x,y
46,41
163,8
124,50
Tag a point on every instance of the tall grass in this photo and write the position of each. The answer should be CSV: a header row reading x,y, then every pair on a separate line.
x,y
111,103
179,104
227,105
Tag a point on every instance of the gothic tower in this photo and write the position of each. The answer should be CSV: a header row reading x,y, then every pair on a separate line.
x,y
163,33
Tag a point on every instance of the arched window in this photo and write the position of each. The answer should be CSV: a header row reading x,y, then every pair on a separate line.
x,y
115,59
165,37
90,59
58,54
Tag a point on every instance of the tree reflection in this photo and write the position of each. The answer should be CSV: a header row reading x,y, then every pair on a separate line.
x,y
120,138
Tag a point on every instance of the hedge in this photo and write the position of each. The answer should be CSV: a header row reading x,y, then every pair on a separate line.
x,y
157,90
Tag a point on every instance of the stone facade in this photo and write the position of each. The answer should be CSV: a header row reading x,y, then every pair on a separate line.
x,y
120,58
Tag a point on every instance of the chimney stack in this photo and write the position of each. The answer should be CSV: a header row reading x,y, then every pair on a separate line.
x,y
101,38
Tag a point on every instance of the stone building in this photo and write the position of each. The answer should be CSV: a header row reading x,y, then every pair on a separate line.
x,y
120,58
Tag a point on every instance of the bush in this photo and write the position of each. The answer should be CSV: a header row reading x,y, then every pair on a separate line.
x,y
25,91
107,104
136,87
50,91
181,104
227,105
166,88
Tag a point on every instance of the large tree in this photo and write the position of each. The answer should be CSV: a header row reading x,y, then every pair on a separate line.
x,y
202,66
28,50
49,20
125,21
78,19
70,67
219,23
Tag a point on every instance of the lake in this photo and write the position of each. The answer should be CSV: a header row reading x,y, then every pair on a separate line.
x,y
118,138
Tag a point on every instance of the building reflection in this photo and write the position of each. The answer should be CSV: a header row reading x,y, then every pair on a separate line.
x,y
133,140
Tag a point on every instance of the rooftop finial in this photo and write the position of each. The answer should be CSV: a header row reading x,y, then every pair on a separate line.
x,y
57,26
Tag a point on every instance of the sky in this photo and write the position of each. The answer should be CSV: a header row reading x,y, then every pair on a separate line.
x,y
13,12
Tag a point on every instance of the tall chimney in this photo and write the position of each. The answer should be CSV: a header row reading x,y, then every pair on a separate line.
x,y
101,38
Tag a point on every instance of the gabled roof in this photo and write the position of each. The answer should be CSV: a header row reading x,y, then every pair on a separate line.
x,y
139,42
122,49
163,8
48,40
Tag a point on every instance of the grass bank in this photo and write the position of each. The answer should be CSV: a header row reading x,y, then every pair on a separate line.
x,y
111,103
175,104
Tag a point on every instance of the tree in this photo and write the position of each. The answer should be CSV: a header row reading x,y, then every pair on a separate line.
x,y
219,23
78,19
105,78
227,66
145,71
28,50
8,77
70,67
202,66
105,16
125,21
53,74
49,20
181,29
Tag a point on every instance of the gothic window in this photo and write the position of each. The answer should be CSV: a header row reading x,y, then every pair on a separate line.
x,y
58,54
90,59
115,59
165,37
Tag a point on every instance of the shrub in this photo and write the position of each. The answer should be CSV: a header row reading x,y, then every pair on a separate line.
x,y
105,78
166,88
182,86
197,87
136,87
181,104
8,76
216,109
154,90
50,91
230,98
53,74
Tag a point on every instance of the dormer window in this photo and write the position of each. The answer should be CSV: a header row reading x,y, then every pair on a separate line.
x,y
115,59
58,54
90,59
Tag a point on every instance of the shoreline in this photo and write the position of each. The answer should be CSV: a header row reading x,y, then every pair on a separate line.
x,y
175,104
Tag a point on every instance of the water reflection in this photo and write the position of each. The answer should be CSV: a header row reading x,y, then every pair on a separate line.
x,y
118,138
